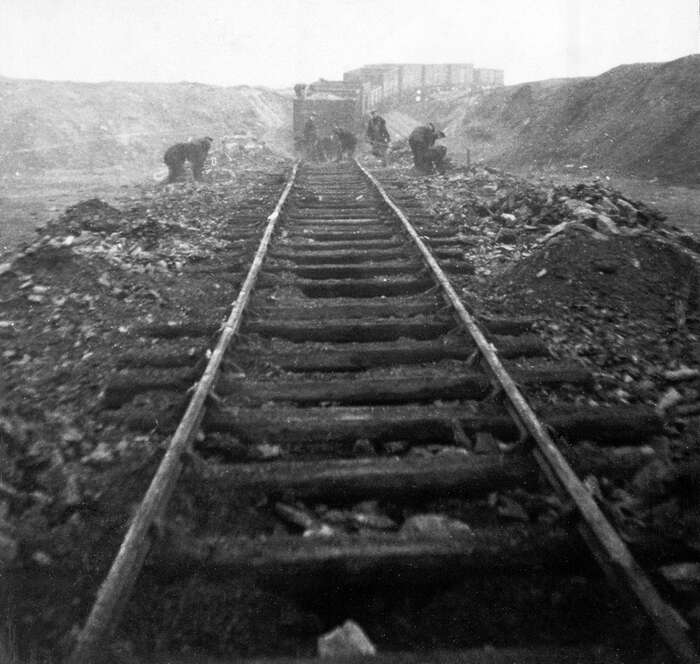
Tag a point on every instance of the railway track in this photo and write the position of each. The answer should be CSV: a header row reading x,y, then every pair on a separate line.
x,y
349,371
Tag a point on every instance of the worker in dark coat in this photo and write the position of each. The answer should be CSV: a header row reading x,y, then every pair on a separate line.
x,y
310,138
434,158
378,135
347,142
327,148
421,140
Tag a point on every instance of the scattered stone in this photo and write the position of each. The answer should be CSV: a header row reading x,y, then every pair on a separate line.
x,y
267,451
684,577
363,448
345,641
434,525
395,446
101,455
607,206
42,558
71,435
630,211
509,509
8,491
367,515
671,398
684,373
454,452
302,518
606,225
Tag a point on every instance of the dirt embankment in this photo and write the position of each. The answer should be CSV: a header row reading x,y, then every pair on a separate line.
x,y
639,119
58,124
642,119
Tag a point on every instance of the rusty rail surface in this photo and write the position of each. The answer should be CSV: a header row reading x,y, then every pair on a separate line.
x,y
127,564
606,544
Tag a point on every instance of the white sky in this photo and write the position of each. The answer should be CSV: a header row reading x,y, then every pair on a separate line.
x,y
278,43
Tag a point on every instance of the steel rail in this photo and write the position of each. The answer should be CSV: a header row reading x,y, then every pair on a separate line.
x,y
607,546
127,564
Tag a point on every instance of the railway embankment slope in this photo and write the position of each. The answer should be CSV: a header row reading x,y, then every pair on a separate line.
x,y
68,125
637,119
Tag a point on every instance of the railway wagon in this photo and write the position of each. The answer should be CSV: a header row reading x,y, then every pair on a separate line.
x,y
462,75
489,78
411,76
329,111
379,82
388,80
436,75
346,103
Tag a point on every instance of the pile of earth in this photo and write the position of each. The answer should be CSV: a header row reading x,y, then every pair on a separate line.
x,y
628,308
608,284
638,119
563,253
69,302
52,124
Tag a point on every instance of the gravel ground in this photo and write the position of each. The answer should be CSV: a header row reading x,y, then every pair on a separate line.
x,y
625,305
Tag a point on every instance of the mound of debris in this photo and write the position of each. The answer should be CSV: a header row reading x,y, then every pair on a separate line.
x,y
479,193
93,214
637,118
612,286
69,302
62,124
570,254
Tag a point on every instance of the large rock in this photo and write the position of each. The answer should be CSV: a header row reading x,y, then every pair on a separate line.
x,y
580,209
434,525
630,211
345,641
605,224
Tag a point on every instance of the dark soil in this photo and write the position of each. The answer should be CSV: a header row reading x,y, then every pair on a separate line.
x,y
68,305
625,306
637,119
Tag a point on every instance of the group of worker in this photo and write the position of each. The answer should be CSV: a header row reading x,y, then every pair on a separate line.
x,y
426,155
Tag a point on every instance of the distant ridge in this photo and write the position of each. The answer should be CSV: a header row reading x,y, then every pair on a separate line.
x,y
641,119
61,124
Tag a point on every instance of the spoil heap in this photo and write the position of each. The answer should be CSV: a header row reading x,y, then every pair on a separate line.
x,y
68,301
609,284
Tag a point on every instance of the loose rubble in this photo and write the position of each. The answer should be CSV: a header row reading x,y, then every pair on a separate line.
x,y
610,284
602,274
345,641
68,302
